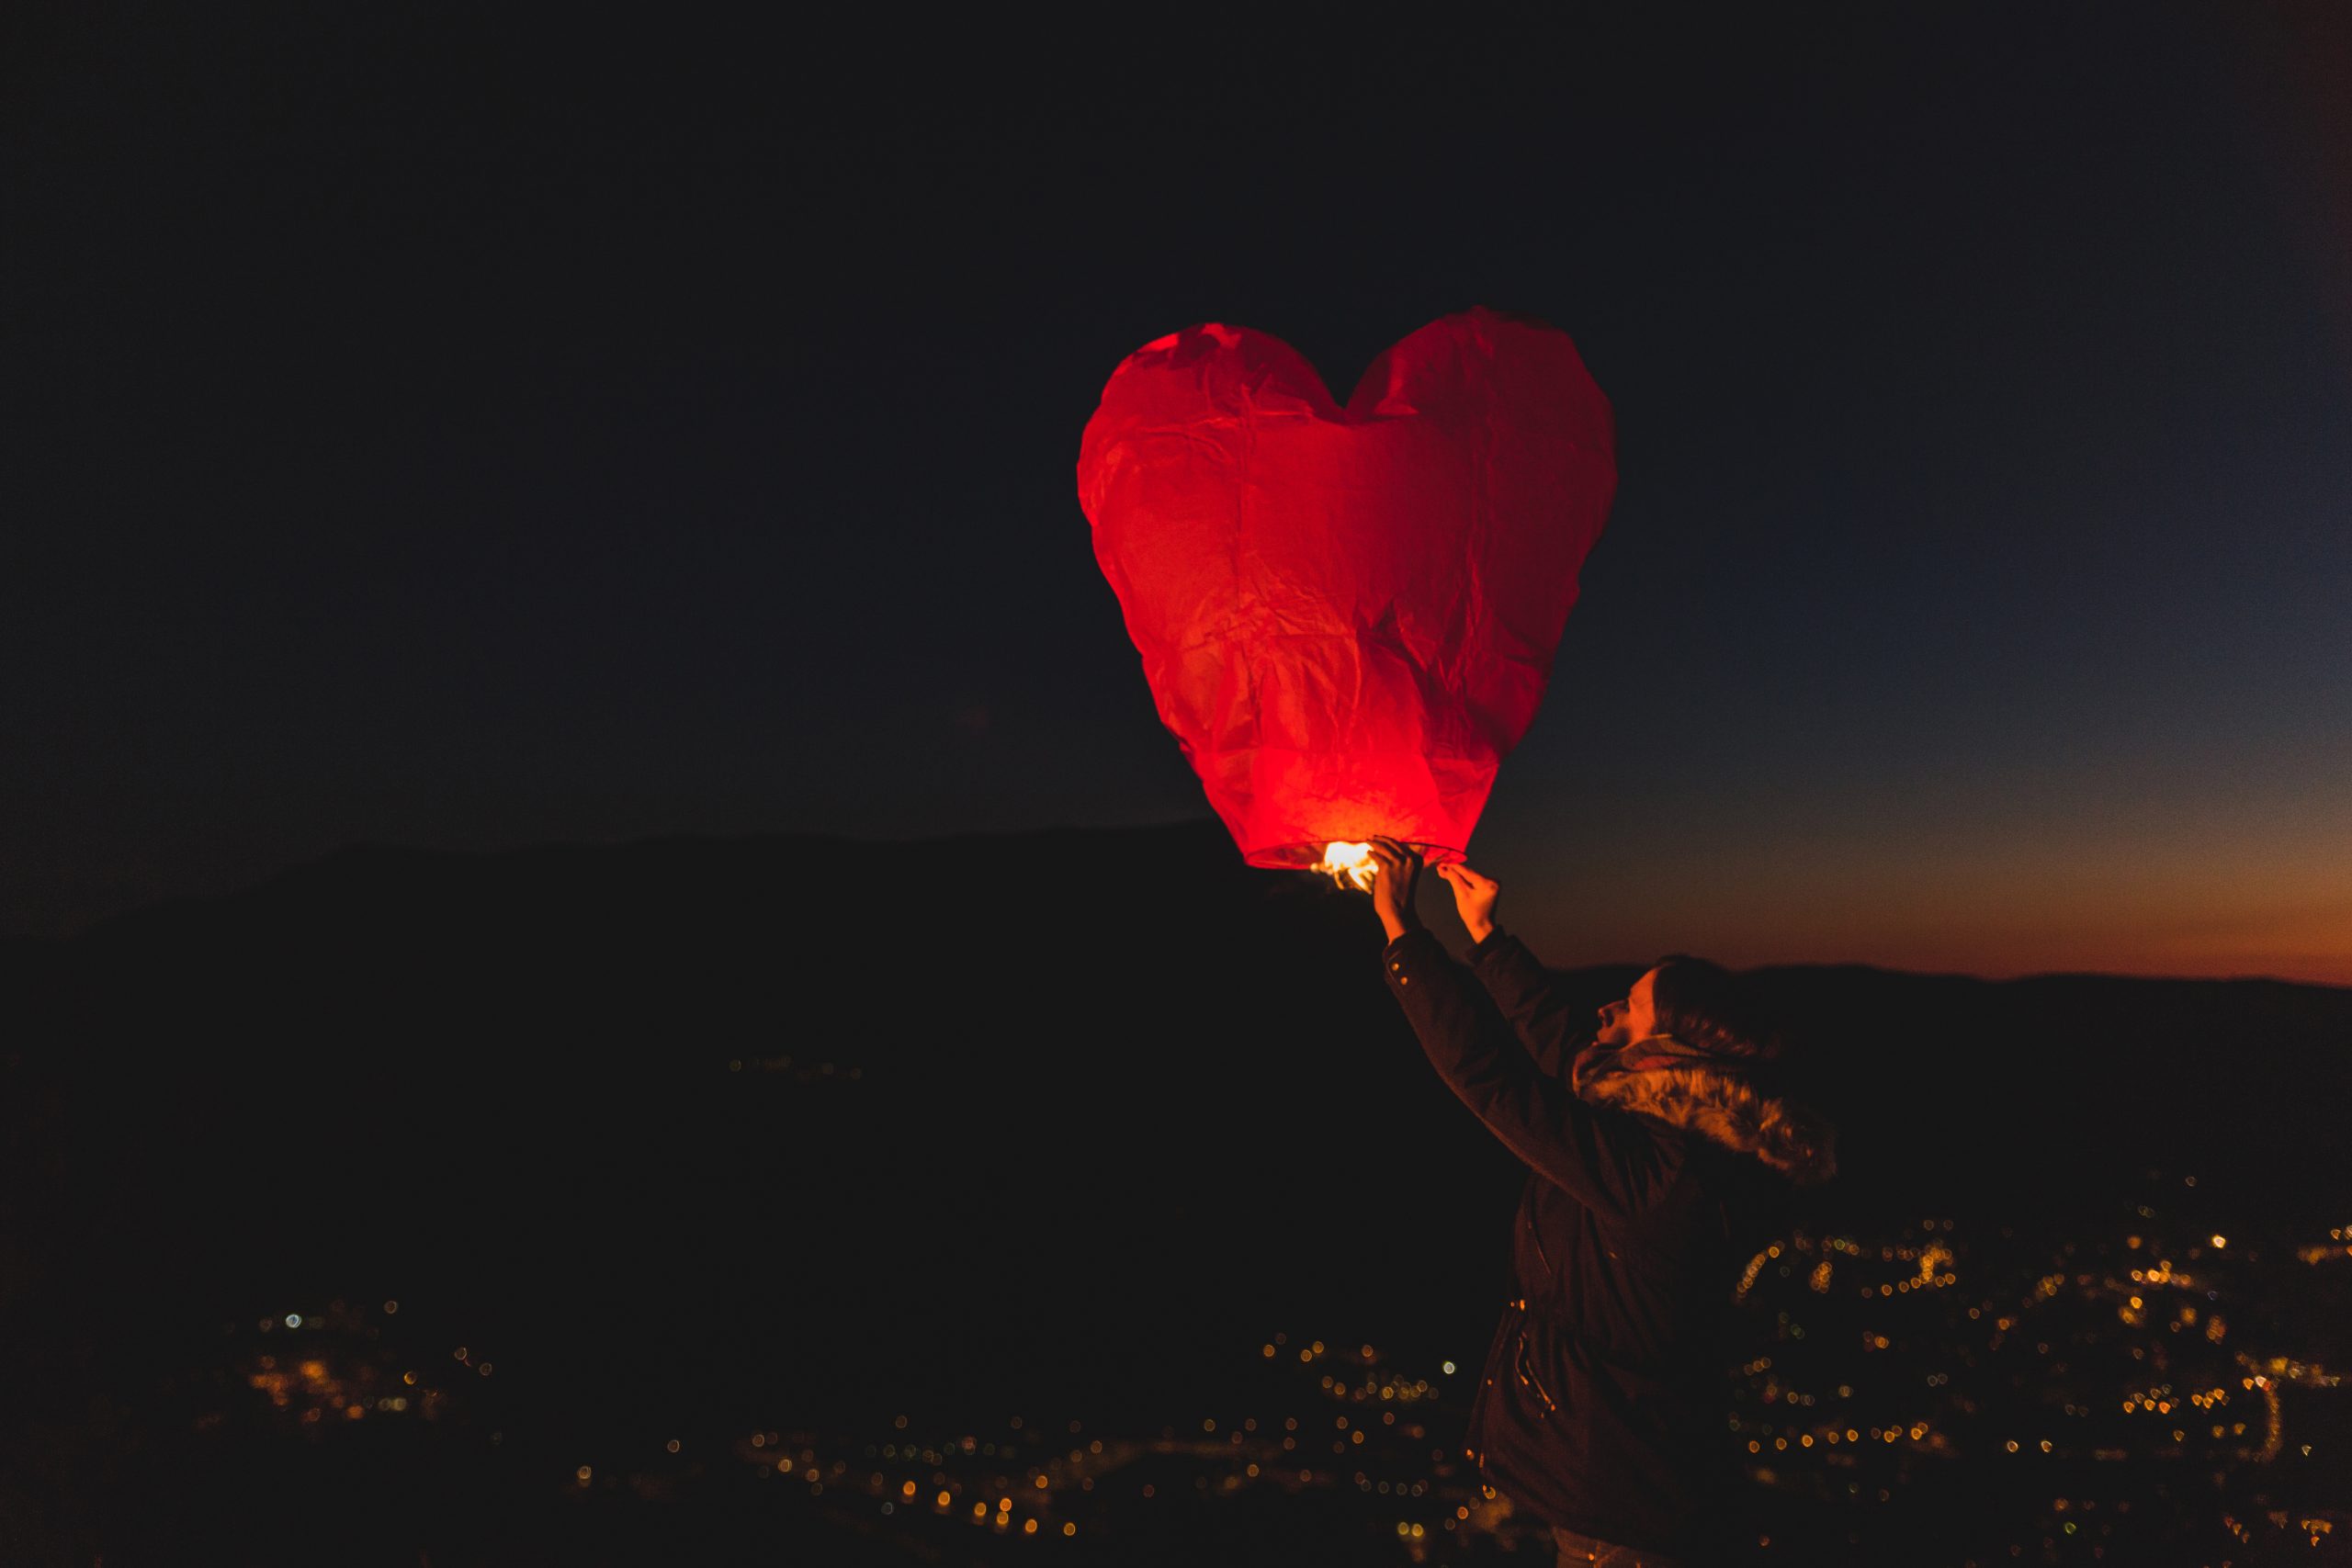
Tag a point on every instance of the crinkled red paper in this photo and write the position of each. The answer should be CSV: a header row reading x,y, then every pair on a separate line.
x,y
1347,615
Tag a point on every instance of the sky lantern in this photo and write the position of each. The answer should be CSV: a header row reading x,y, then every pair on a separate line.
x,y
1347,616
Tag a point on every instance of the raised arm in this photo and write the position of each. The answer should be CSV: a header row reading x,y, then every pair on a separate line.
x,y
1606,1162
1550,1025
1547,1023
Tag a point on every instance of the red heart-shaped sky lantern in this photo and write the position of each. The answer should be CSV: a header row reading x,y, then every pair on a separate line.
x,y
1347,616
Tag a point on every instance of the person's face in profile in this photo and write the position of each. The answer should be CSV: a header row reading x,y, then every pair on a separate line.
x,y
1634,1017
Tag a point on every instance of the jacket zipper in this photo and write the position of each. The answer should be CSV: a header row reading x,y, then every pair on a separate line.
x,y
1519,1366
1519,1354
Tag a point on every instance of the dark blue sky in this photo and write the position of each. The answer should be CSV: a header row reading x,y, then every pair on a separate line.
x,y
427,427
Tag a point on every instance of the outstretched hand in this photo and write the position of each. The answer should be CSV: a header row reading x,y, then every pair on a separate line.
x,y
1394,885
1474,899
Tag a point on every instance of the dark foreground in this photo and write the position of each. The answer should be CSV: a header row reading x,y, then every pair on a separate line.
x,y
687,1204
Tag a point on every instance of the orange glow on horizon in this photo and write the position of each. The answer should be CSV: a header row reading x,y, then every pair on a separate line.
x,y
2177,908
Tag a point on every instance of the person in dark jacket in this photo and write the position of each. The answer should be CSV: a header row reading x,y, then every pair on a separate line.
x,y
1658,1141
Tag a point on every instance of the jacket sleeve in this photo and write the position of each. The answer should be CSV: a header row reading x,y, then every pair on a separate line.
x,y
1606,1162
1551,1027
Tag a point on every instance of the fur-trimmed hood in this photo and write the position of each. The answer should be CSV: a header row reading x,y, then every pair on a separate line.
x,y
1727,1108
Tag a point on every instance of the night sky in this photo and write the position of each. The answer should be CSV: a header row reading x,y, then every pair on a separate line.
x,y
477,430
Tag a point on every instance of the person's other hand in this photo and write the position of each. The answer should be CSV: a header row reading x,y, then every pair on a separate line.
x,y
1393,887
1474,899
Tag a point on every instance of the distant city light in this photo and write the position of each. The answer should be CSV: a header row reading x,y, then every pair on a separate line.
x,y
1370,1415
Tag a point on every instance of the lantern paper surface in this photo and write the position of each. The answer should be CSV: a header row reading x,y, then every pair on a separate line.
x,y
1347,616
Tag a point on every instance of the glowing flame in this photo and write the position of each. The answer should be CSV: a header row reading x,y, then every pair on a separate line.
x,y
1351,865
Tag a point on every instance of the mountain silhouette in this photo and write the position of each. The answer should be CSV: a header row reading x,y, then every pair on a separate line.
x,y
1065,1118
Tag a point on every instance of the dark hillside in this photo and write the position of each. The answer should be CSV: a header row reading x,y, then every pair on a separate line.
x,y
1054,1121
